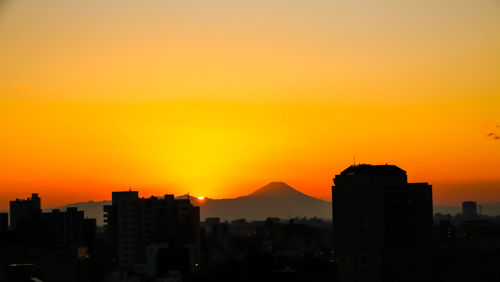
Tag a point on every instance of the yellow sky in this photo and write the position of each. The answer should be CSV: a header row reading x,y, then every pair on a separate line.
x,y
220,97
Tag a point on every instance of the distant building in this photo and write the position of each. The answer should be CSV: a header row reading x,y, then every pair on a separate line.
x,y
471,253
137,224
469,210
212,220
215,239
382,225
439,217
23,211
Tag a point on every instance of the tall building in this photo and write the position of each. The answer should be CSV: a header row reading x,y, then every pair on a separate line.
x,y
66,228
23,211
56,228
51,246
168,226
469,210
382,225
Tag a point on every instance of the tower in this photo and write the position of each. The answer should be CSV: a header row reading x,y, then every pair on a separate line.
x,y
382,225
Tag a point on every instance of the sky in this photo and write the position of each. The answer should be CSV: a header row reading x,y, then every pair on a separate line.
x,y
218,98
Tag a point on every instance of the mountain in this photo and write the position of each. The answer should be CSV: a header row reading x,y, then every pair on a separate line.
x,y
278,190
276,199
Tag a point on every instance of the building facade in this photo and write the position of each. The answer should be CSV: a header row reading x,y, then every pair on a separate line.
x,y
23,210
135,225
382,225
51,246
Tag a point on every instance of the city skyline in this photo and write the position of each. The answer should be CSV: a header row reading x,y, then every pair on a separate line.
x,y
292,203
384,229
465,193
251,140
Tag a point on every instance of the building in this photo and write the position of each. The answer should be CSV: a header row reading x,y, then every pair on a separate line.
x,y
23,211
382,225
66,228
135,225
469,210
51,246
215,240
62,228
4,222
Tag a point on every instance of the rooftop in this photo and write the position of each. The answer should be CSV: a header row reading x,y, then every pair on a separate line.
x,y
372,169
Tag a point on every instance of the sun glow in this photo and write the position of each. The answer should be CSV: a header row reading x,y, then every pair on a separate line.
x,y
201,198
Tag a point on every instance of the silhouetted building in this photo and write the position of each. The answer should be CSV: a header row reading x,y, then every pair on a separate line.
x,y
66,228
445,233
23,211
52,246
62,228
472,254
215,229
136,225
382,225
469,210
55,264
211,221
439,217
4,222
215,239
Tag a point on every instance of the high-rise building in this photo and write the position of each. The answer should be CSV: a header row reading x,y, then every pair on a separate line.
x,y
137,224
62,228
382,225
66,228
23,211
469,210
52,246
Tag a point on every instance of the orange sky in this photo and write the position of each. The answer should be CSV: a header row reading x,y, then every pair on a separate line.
x,y
217,98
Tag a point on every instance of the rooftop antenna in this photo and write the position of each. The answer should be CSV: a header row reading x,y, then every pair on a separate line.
x,y
354,163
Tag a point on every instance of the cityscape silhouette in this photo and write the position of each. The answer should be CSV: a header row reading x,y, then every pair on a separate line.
x,y
383,229
249,140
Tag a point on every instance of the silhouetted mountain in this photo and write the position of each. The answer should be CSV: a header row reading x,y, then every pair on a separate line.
x,y
278,190
276,199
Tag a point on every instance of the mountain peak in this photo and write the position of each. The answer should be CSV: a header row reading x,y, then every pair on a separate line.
x,y
275,189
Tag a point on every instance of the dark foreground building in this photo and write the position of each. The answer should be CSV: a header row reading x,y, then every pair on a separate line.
x,y
382,225
24,211
49,246
153,236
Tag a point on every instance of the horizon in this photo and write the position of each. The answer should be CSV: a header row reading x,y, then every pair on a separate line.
x,y
470,196
201,201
